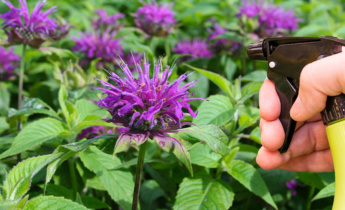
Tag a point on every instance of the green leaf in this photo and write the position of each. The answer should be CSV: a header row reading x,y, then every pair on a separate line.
x,y
3,124
217,111
48,202
249,177
202,155
210,134
69,151
328,191
4,99
311,179
203,193
217,79
61,53
34,134
149,193
276,179
62,103
118,183
255,76
86,108
34,106
94,203
170,144
249,90
8,204
18,181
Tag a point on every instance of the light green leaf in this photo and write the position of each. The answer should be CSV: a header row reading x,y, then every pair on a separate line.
x,y
202,155
86,108
61,53
118,183
203,193
4,99
217,111
81,126
249,90
8,204
210,134
62,103
217,79
255,76
34,134
18,181
249,177
47,202
328,191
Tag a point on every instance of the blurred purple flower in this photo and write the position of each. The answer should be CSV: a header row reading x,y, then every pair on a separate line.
x,y
61,30
155,19
99,45
271,18
105,22
147,107
91,132
196,48
22,27
222,44
131,59
292,185
8,63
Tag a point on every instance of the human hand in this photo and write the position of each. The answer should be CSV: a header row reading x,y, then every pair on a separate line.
x,y
309,149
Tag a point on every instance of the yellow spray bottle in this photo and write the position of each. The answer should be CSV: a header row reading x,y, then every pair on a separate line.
x,y
286,57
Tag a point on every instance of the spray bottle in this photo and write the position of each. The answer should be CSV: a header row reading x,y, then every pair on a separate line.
x,y
286,57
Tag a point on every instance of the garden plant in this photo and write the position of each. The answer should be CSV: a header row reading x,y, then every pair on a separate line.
x,y
133,104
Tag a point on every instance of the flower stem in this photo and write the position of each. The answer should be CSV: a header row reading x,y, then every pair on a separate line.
x,y
140,164
20,91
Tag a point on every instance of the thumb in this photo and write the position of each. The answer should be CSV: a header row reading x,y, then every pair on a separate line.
x,y
322,78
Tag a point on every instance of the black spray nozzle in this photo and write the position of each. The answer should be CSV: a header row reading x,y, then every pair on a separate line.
x,y
286,57
256,51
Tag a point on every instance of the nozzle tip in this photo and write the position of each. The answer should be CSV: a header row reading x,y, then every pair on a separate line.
x,y
255,51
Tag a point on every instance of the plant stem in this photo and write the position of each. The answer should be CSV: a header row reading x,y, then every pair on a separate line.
x,y
73,176
140,164
20,92
21,78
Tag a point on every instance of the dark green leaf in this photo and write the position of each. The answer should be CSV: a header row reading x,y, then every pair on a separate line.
x,y
311,179
119,184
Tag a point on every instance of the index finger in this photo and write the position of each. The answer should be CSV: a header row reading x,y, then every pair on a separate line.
x,y
269,101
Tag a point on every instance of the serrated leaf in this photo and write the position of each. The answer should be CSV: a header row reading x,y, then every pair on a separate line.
x,y
202,155
118,183
211,135
170,144
249,177
217,79
69,151
34,106
327,191
17,183
47,202
203,193
34,134
217,111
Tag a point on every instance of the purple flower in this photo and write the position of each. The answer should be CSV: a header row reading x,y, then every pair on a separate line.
x,y
222,44
271,19
147,107
99,45
131,59
8,63
105,22
292,185
155,19
93,132
61,30
22,27
196,48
